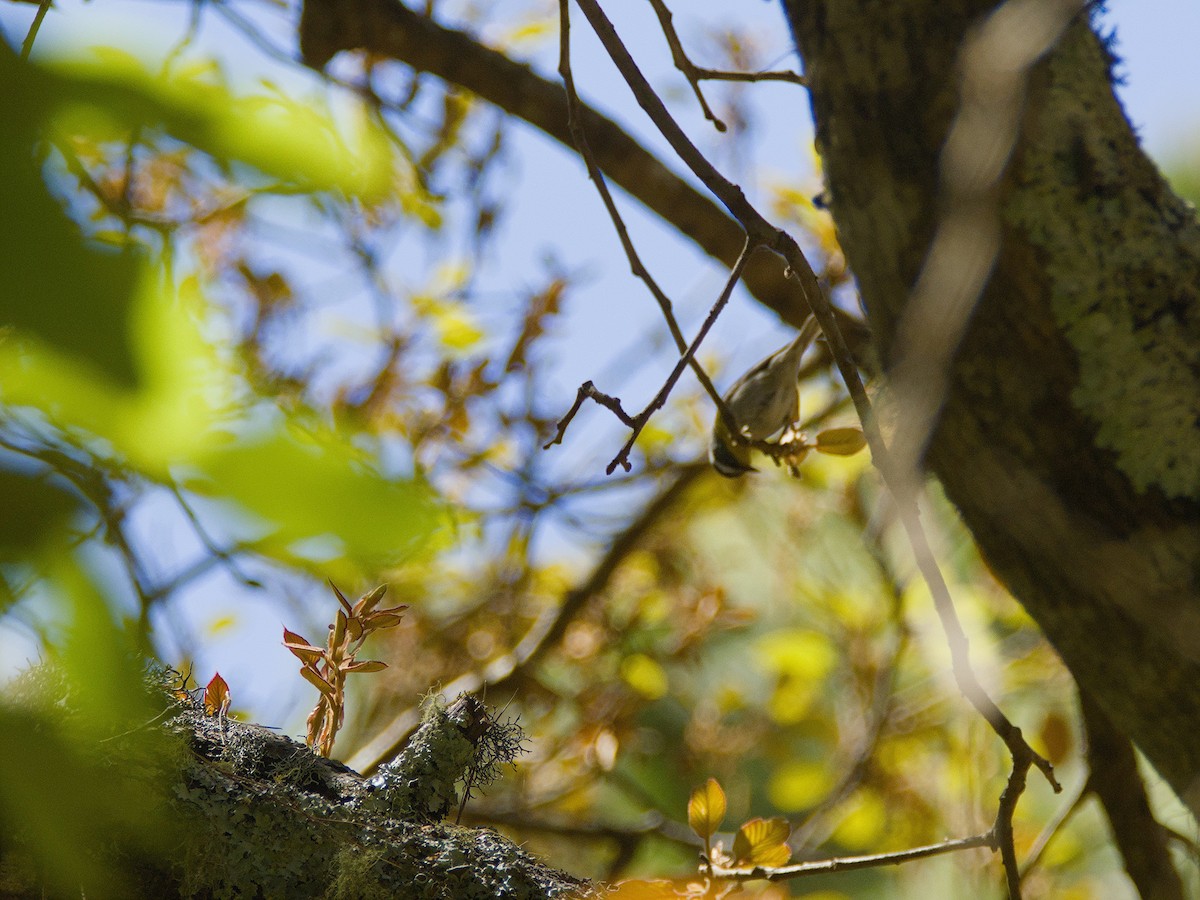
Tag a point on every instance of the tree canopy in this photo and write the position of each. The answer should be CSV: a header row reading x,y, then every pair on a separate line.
x,y
296,297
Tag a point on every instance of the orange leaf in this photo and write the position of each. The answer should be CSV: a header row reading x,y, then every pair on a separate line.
x,y
841,441
313,677
381,619
367,665
216,696
341,598
1056,737
763,842
367,602
706,809
338,636
301,648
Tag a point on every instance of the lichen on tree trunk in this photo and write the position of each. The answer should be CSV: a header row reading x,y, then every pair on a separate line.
x,y
1070,440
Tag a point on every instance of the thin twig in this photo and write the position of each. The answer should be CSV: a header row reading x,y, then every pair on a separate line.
x,y
848,863
683,63
579,135
637,423
695,74
34,27
735,275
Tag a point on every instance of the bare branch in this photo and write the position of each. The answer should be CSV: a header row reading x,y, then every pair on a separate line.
x,y
579,134
34,27
1117,783
695,74
848,863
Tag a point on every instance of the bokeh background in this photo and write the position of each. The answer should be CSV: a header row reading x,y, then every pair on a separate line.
x,y
380,295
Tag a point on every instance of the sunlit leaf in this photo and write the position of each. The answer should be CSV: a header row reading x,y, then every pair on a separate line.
x,y
797,652
170,420
706,809
313,677
299,141
216,696
799,785
369,600
863,820
645,675
841,441
306,486
366,665
762,842
301,648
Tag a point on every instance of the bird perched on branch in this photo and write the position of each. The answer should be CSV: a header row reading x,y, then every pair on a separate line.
x,y
764,402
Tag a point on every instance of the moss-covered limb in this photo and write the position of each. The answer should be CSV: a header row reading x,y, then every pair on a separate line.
x,y
1069,438
420,784
251,813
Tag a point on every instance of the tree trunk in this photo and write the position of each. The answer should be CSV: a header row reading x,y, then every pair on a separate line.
x,y
1070,439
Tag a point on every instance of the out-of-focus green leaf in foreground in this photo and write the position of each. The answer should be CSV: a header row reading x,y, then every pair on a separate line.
x,y
61,800
106,345
309,486
72,294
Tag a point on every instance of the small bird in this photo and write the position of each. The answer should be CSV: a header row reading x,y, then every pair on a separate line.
x,y
764,401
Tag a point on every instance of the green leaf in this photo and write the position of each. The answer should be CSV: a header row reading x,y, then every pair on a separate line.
x,y
299,141
33,508
185,386
73,295
305,487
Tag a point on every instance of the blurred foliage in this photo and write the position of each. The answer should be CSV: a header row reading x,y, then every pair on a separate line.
x,y
220,376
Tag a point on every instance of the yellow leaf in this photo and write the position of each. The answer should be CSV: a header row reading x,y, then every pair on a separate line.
x,y
706,809
798,785
762,842
644,675
841,441
863,822
221,624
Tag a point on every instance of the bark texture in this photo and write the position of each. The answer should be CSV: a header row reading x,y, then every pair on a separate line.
x,y
1070,440
240,811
